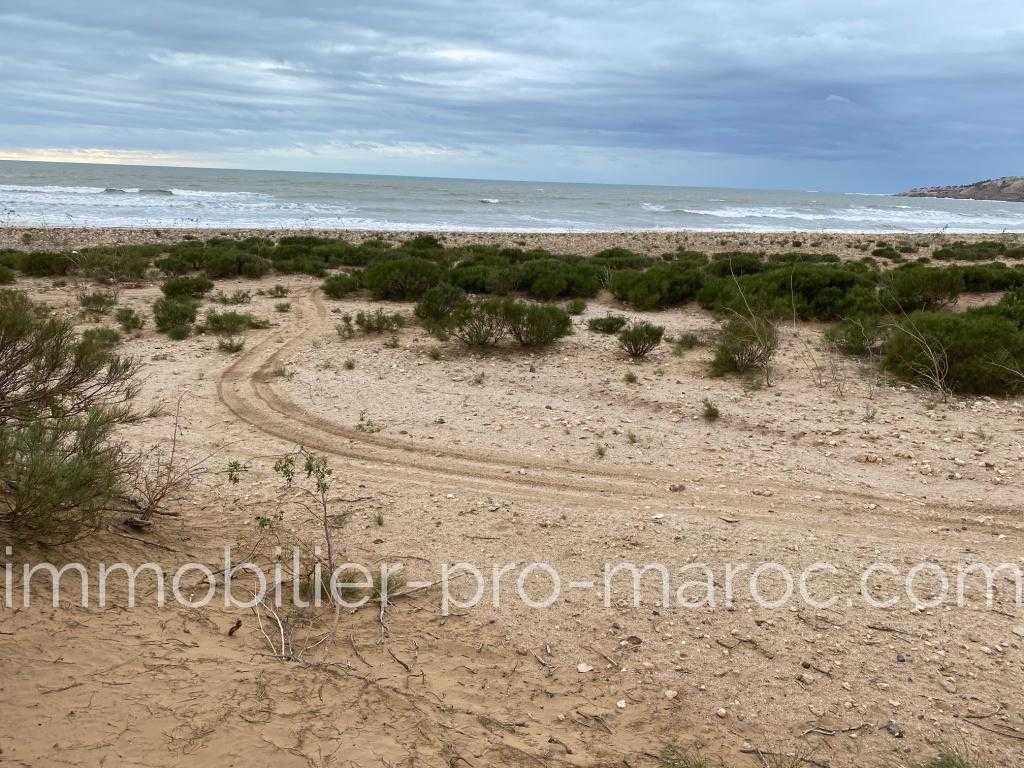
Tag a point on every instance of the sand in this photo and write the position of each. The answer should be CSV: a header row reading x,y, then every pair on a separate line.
x,y
494,459
584,244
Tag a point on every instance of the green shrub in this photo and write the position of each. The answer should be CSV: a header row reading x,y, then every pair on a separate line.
x,y
810,291
639,339
283,306
479,323
435,310
913,288
988,278
379,321
684,342
576,307
340,285
663,285
736,263
608,324
175,316
61,467
983,250
234,298
128,319
745,345
536,325
974,353
278,292
548,279
186,286
102,338
229,328
7,276
860,335
97,303
710,410
402,279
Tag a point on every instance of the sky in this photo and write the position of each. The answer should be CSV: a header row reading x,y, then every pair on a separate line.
x,y
845,95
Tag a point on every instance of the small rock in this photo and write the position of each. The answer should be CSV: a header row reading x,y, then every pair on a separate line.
x,y
621,703
895,729
722,712
670,694
583,668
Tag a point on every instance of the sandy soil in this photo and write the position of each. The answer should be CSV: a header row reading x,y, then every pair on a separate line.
x,y
582,243
439,465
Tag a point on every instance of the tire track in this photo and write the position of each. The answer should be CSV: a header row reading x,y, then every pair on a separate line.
x,y
246,389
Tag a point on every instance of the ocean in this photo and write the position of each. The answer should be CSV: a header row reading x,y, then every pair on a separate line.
x,y
81,195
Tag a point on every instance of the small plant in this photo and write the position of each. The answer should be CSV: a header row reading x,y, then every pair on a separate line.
x,y
631,438
235,298
437,308
479,378
639,339
229,327
600,451
345,328
535,325
102,338
283,306
391,343
278,292
187,286
129,320
175,316
434,353
7,276
745,345
349,364
368,425
629,377
710,410
684,342
576,307
379,321
98,303
337,286
609,324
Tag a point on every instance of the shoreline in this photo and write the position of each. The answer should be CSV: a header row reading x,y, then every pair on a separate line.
x,y
846,244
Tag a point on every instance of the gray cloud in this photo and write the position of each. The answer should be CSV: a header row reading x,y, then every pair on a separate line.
x,y
820,93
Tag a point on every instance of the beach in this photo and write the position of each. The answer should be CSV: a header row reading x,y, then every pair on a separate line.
x,y
842,244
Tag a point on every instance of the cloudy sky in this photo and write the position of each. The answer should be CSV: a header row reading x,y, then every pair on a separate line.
x,y
864,95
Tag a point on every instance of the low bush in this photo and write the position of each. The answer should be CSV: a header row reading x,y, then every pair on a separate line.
x,y
379,321
229,328
187,286
983,250
436,308
102,338
175,316
660,286
639,339
608,324
7,275
402,279
340,285
576,307
548,279
988,278
745,345
278,292
233,299
913,288
61,466
736,263
536,325
283,306
479,323
859,335
97,303
684,342
808,291
128,319
974,353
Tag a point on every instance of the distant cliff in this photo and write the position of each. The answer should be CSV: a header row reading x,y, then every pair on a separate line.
x,y
1008,188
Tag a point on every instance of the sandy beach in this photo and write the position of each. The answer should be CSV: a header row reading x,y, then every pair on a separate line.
x,y
844,245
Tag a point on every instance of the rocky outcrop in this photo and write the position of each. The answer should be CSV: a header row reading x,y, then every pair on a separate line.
x,y
1008,189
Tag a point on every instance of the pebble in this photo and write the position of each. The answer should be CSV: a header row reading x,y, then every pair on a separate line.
x,y
722,712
